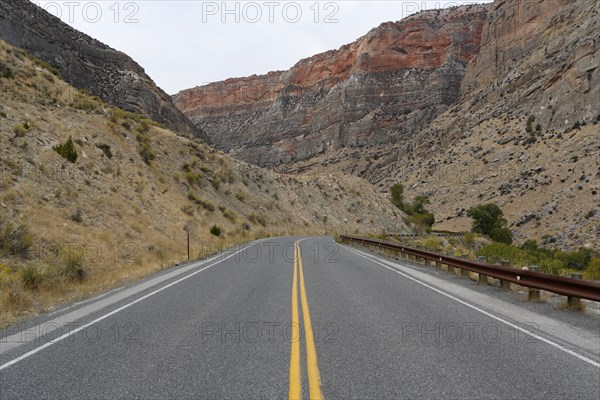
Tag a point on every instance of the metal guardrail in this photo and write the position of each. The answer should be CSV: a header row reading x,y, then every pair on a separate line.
x,y
575,288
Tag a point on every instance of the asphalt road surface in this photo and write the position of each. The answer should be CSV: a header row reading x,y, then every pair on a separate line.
x,y
237,327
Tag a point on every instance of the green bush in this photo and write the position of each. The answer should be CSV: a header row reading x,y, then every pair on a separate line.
x,y
488,219
551,266
579,259
501,235
495,252
215,230
67,150
416,211
397,193
550,261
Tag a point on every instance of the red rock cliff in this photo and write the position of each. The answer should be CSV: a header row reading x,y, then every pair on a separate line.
x,y
385,85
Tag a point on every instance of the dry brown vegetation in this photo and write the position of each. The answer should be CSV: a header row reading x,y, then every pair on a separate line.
x,y
71,229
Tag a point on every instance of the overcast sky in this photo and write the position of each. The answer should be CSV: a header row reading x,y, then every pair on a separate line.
x,y
182,44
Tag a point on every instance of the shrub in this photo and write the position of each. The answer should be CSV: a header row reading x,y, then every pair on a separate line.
x,y
469,237
7,73
20,129
67,150
528,127
488,219
577,125
240,195
592,272
144,126
215,230
193,178
187,209
216,183
44,64
77,215
501,235
86,103
106,149
146,150
397,193
14,240
551,266
230,215
258,219
499,251
579,259
31,276
73,268
207,205
432,243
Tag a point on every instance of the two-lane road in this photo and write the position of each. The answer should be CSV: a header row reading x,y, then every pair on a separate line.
x,y
237,327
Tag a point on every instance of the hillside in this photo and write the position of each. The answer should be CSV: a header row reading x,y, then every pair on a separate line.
x,y
120,210
527,61
88,64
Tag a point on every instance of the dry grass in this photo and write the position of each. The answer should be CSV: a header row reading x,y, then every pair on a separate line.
x,y
123,212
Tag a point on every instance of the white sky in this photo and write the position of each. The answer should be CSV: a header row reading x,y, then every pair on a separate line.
x,y
186,43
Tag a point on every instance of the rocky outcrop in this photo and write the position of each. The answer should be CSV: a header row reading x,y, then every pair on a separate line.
x,y
540,58
88,64
380,89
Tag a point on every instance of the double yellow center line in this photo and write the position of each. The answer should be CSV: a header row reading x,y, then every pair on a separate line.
x,y
314,380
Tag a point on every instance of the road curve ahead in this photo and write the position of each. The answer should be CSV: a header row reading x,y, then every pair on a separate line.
x,y
297,318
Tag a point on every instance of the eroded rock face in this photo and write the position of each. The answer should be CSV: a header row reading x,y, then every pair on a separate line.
x,y
541,58
88,64
382,88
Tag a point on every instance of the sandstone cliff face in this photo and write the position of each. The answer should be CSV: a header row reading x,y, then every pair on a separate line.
x,y
380,89
88,64
539,57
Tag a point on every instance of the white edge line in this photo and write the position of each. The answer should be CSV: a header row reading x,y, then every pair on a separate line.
x,y
525,331
74,331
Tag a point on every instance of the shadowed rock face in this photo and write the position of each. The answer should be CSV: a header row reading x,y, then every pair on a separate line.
x,y
380,89
88,64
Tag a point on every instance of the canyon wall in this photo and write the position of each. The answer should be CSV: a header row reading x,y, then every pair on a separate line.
x,y
380,89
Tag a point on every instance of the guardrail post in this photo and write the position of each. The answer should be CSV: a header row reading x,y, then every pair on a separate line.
x,y
483,279
534,294
504,285
574,302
